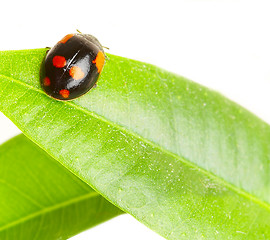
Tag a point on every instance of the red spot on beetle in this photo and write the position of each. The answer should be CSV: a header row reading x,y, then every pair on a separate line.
x,y
99,61
46,82
59,61
76,73
66,38
64,93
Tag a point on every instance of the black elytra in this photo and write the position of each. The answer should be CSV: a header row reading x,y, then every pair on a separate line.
x,y
72,67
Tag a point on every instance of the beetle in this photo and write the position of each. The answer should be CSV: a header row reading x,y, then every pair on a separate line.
x,y
72,67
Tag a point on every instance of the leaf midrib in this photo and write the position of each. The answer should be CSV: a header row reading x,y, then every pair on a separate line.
x,y
50,209
153,144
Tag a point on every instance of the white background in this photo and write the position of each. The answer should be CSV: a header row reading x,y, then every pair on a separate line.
x,y
224,45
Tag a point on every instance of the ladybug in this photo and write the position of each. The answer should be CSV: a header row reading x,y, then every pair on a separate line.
x,y
72,67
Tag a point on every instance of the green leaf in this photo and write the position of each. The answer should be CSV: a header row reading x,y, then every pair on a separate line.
x,y
179,157
40,199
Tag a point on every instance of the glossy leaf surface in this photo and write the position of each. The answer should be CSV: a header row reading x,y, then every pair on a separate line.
x,y
40,199
181,158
